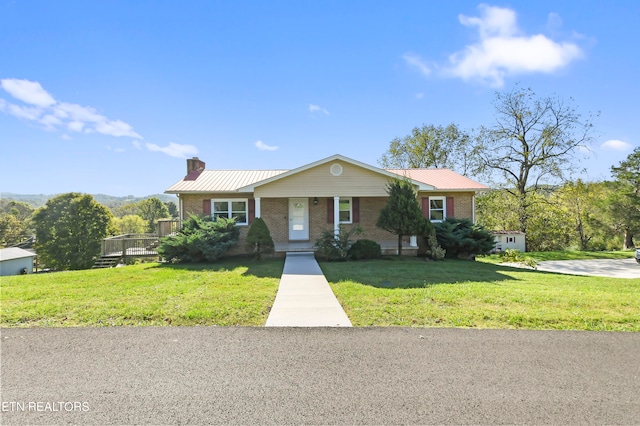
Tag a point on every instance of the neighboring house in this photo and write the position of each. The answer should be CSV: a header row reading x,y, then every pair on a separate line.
x,y
298,205
16,261
514,240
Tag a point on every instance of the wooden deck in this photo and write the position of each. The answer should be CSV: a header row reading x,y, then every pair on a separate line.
x,y
121,247
131,245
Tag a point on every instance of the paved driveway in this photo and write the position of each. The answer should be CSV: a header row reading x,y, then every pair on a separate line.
x,y
616,268
219,375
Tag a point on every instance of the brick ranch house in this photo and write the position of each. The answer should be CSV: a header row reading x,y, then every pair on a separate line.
x,y
298,205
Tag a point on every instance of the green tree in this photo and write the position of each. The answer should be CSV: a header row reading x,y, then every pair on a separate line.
x,y
533,142
497,210
15,222
130,224
151,210
579,200
11,230
402,215
625,202
69,230
432,146
259,239
127,210
172,208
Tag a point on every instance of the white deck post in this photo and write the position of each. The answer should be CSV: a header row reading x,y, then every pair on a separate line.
x,y
336,215
257,212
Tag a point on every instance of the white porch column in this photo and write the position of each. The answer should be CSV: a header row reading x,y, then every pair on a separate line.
x,y
413,241
257,207
336,215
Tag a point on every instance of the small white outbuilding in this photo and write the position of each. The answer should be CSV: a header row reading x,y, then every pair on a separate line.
x,y
16,261
514,240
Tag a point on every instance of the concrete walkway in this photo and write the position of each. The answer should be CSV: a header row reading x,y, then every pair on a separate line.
x,y
304,297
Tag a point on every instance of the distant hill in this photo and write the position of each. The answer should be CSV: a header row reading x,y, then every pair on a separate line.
x,y
39,200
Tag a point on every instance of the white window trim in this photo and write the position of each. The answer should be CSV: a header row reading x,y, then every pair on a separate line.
x,y
350,221
229,211
444,208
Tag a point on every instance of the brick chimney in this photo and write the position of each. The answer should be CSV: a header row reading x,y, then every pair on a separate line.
x,y
195,166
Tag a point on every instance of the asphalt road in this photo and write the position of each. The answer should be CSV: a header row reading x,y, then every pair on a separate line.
x,y
615,268
211,375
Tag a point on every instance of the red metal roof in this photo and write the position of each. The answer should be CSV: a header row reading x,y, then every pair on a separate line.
x,y
442,179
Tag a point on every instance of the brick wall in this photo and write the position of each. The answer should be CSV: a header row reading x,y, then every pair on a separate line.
x,y
275,212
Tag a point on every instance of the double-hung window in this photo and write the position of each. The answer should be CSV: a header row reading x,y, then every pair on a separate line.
x,y
346,211
437,209
233,208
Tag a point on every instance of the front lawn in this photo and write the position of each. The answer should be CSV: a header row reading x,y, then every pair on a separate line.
x,y
456,293
230,292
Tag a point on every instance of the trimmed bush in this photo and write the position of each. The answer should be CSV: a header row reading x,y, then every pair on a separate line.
x,y
336,247
434,251
200,240
461,238
259,239
365,249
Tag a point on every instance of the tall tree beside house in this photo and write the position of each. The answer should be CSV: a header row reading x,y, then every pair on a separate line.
x,y
69,231
532,142
402,215
433,146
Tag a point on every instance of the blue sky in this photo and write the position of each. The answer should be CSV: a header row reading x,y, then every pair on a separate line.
x,y
111,97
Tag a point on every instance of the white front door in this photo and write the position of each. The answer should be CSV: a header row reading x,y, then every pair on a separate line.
x,y
298,219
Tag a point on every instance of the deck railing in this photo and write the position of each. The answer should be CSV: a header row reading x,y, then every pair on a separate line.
x,y
139,244
130,245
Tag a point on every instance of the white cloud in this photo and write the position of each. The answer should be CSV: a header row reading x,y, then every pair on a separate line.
x,y
503,50
416,61
75,126
66,137
116,150
44,109
116,128
174,149
30,92
24,112
264,147
52,115
317,108
420,95
616,145
136,144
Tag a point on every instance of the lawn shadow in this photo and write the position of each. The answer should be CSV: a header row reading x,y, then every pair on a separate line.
x,y
416,273
266,268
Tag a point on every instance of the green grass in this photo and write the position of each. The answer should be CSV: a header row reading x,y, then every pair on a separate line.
x,y
456,293
231,292
565,255
387,292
